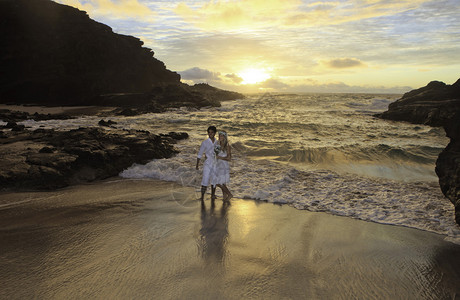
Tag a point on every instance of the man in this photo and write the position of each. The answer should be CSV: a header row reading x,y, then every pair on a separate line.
x,y
207,148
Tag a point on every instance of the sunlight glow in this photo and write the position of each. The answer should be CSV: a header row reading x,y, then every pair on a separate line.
x,y
252,76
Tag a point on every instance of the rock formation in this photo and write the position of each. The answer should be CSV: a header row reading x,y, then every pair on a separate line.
x,y
432,105
436,104
7,115
448,165
54,54
45,159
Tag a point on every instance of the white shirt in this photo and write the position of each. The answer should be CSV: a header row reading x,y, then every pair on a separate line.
x,y
207,147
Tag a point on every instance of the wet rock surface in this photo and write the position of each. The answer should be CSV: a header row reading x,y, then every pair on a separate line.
x,y
47,159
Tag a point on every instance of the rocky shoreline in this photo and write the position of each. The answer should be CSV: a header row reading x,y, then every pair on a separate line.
x,y
436,104
49,159
55,56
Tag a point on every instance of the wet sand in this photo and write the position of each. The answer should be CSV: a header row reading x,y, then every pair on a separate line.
x,y
146,239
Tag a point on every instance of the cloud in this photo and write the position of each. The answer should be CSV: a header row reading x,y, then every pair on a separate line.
x,y
199,75
121,9
333,13
248,15
344,63
235,78
230,15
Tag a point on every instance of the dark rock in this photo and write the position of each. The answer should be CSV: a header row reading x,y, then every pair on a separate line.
x,y
18,128
47,150
106,123
436,104
448,165
161,97
215,94
16,116
55,54
45,159
173,137
128,112
178,135
431,105
11,125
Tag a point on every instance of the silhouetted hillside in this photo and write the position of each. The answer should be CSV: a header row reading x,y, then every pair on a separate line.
x,y
55,54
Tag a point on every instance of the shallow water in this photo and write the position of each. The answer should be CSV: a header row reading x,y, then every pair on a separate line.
x,y
318,152
150,240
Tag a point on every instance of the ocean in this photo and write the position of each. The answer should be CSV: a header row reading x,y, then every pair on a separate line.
x,y
316,152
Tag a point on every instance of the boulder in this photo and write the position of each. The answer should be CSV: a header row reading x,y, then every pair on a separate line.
x,y
436,104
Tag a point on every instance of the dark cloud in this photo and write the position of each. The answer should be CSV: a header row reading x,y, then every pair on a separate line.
x,y
343,63
198,74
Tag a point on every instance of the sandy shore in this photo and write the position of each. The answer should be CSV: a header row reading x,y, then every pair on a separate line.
x,y
133,239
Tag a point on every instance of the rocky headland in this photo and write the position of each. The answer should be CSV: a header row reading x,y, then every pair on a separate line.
x,y
436,104
53,54
48,159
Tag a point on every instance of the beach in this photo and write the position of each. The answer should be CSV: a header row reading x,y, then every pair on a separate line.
x,y
151,239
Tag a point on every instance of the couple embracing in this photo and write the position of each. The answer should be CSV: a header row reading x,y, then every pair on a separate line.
x,y
216,169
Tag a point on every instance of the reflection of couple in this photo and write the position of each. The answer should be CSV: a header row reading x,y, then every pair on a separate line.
x,y
214,233
216,169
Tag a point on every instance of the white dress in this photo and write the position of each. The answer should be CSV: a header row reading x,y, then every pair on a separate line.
x,y
222,170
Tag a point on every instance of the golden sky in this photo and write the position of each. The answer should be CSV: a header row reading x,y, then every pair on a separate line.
x,y
389,46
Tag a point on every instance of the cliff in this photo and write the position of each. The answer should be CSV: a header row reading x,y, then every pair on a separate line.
x,y
436,104
432,105
448,165
53,54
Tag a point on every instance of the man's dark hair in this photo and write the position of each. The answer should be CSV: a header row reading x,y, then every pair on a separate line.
x,y
213,128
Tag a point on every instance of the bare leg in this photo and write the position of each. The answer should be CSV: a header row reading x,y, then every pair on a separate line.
x,y
203,191
229,195
224,192
213,192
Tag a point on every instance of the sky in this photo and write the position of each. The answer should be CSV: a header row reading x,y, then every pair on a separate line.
x,y
365,46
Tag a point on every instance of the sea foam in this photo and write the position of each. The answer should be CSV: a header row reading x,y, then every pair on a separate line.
x,y
319,152
418,205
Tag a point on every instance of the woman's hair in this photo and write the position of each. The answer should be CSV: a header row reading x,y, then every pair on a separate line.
x,y
225,146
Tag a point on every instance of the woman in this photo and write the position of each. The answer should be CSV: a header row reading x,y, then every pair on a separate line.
x,y
222,171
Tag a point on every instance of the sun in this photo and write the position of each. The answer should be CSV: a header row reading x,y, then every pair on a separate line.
x,y
252,76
